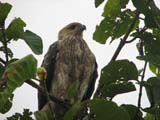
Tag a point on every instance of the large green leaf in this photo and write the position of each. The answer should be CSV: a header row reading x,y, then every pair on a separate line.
x,y
104,30
98,2
149,117
112,8
152,59
123,24
120,70
140,4
132,111
33,41
7,105
115,88
153,113
151,43
16,29
42,115
115,78
152,87
150,19
114,28
124,3
107,110
4,10
15,75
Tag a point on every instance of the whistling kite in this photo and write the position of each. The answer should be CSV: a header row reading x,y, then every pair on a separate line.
x,y
71,68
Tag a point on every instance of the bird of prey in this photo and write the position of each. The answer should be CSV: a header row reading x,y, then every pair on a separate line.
x,y
71,69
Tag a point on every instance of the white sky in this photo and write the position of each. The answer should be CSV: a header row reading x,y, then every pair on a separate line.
x,y
46,18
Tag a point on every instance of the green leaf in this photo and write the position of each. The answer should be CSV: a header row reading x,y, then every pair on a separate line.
x,y
115,78
104,30
124,3
107,110
151,43
152,59
123,25
41,115
98,2
132,111
116,88
33,41
114,27
16,29
156,33
15,75
153,113
153,89
112,8
71,113
149,117
120,70
25,116
7,105
155,70
154,8
4,10
149,19
140,4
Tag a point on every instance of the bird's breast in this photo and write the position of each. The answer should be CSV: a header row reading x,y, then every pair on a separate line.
x,y
74,65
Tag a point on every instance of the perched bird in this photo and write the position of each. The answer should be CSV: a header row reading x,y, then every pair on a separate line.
x,y
71,69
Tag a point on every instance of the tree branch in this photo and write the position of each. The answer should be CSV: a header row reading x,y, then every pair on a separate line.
x,y
143,30
53,98
140,90
5,42
2,61
123,41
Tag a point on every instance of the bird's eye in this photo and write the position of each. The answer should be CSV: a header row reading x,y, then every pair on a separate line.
x,y
72,27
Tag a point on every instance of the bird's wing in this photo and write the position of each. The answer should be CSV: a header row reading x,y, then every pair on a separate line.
x,y
49,64
91,85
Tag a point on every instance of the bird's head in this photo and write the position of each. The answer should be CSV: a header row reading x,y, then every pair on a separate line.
x,y
72,29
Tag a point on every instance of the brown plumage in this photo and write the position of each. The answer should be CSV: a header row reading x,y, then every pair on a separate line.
x,y
71,68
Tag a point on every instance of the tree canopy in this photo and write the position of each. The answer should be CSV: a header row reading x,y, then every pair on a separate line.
x,y
119,76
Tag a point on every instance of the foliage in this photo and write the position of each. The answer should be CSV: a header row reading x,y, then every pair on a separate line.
x,y
14,72
119,23
25,116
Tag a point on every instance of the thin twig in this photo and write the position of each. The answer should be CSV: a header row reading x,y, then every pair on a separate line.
x,y
141,18
53,98
2,61
5,42
140,90
36,79
123,41
143,30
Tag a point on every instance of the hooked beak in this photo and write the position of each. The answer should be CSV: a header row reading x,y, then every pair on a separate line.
x,y
83,27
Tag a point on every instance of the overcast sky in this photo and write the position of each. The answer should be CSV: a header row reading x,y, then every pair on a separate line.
x,y
46,18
